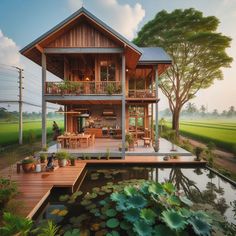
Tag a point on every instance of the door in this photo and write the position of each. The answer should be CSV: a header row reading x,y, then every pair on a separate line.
x,y
80,124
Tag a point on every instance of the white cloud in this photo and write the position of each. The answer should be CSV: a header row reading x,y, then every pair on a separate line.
x,y
124,18
8,51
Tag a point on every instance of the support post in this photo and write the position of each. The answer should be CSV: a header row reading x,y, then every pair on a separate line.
x,y
44,107
20,105
123,106
156,118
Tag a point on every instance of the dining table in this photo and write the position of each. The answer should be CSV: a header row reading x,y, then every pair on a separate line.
x,y
67,138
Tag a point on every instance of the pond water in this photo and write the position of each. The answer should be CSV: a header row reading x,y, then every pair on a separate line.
x,y
202,186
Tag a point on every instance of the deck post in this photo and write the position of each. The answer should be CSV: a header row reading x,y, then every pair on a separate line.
x,y
156,118
44,106
123,106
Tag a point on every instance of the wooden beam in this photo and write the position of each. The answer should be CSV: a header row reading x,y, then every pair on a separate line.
x,y
156,119
82,50
123,106
44,103
40,49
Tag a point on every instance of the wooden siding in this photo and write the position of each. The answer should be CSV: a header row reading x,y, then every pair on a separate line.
x,y
82,35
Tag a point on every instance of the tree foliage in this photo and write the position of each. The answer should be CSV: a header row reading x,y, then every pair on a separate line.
x,y
197,50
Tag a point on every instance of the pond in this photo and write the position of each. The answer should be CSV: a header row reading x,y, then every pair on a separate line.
x,y
208,192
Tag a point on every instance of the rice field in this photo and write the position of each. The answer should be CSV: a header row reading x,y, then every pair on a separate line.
x,y
9,131
221,132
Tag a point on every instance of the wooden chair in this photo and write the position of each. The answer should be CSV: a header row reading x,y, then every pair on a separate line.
x,y
73,142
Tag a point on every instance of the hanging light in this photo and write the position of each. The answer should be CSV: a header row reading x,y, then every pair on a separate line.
x,y
87,79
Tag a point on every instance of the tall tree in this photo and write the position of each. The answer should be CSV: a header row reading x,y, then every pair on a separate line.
x,y
197,50
203,110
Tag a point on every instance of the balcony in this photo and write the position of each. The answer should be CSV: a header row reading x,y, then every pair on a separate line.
x,y
142,93
77,88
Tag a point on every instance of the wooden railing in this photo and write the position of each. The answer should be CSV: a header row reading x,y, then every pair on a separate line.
x,y
142,93
83,88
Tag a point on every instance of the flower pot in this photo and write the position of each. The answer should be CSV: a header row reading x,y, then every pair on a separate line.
x,y
62,163
72,162
28,167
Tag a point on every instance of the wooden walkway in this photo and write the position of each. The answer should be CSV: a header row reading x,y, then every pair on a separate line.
x,y
34,188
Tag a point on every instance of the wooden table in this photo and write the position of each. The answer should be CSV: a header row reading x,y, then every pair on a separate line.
x,y
79,136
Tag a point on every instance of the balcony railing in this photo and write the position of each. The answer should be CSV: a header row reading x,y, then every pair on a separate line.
x,y
142,93
83,88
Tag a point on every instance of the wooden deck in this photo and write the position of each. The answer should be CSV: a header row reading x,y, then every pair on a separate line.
x,y
34,188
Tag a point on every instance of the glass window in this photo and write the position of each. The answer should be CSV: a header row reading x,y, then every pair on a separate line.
x,y
140,84
140,122
107,71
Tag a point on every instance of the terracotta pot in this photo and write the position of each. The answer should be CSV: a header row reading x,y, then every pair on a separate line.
x,y
62,163
28,167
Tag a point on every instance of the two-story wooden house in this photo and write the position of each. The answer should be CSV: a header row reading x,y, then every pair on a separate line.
x,y
108,85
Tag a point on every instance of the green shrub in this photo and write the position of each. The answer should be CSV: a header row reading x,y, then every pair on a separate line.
x,y
62,155
8,189
28,160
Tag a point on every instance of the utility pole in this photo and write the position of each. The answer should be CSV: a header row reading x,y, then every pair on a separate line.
x,y
20,101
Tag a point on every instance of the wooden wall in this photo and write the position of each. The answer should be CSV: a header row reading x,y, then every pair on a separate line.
x,y
82,35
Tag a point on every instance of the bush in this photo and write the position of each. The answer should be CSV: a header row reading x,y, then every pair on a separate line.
x,y
28,160
62,155
8,189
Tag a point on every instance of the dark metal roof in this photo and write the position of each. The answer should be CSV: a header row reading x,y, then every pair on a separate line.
x,y
154,55
71,17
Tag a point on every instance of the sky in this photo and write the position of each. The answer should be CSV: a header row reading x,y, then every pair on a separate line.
x,y
22,21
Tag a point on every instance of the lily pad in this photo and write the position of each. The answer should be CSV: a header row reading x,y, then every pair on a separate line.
x,y
112,223
111,212
64,198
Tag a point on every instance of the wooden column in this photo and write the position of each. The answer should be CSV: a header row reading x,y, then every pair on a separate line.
x,y
123,106
156,119
44,103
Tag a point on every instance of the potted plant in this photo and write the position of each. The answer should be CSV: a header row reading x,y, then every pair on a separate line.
x,y
198,151
130,140
43,157
28,164
72,160
62,158
110,88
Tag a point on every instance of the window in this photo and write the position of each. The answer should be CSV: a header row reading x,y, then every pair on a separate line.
x,y
107,71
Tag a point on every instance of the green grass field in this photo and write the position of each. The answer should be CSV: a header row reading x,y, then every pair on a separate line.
x,y
9,131
221,132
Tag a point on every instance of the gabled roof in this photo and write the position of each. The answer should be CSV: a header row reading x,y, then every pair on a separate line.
x,y
74,16
154,55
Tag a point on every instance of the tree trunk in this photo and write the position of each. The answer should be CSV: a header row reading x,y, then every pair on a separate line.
x,y
175,120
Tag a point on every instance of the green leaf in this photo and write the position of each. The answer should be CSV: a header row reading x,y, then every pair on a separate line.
x,y
130,191
125,225
113,233
142,228
74,232
173,200
131,215
64,198
185,200
111,212
163,230
137,201
156,189
174,220
112,223
200,227
169,187
148,216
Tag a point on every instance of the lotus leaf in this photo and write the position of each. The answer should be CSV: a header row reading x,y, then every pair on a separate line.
x,y
102,202
137,201
85,202
156,189
163,230
118,197
113,233
142,228
169,187
185,200
130,191
131,215
173,200
200,227
94,210
97,214
101,232
111,212
77,193
144,188
74,232
91,206
112,223
64,198
174,220
96,189
148,215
